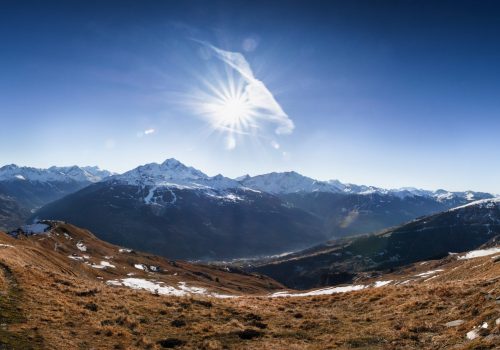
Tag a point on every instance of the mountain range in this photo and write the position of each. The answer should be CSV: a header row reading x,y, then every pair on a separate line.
x,y
25,189
63,286
178,211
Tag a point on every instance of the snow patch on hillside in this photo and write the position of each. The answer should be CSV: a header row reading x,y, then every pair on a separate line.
x,y
323,291
480,253
489,203
161,288
104,264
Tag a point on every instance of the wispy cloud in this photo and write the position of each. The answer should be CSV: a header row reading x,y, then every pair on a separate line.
x,y
146,132
255,91
237,104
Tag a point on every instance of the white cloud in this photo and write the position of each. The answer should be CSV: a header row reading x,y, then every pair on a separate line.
x,y
146,132
255,91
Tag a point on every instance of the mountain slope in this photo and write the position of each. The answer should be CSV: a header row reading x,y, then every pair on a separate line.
x,y
455,230
12,214
65,289
175,210
172,210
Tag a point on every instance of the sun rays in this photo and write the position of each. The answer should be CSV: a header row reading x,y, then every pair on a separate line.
x,y
236,104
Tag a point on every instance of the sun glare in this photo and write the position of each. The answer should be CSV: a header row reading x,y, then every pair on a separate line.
x,y
233,111
237,104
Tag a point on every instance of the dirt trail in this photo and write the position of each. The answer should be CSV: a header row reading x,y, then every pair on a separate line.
x,y
11,316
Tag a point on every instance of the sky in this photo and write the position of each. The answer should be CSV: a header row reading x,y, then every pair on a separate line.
x,y
384,93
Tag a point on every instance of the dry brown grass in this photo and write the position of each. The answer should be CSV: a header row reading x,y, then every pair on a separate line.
x,y
64,306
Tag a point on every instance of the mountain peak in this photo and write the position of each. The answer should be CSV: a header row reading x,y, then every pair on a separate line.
x,y
12,172
287,182
172,163
169,173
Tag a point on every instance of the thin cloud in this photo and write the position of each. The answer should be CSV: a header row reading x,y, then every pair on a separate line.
x,y
255,91
146,132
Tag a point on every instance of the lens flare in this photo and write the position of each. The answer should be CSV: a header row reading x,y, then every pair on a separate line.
x,y
237,103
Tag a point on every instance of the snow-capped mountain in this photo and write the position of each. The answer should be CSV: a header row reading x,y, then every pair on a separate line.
x,y
180,212
292,182
32,188
13,172
174,174
287,182
187,214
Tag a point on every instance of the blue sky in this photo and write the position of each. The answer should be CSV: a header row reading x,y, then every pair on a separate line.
x,y
387,93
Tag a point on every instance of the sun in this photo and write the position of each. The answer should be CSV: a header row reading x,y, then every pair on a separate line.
x,y
228,108
232,112
234,103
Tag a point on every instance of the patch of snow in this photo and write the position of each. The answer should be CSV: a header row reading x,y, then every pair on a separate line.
x,y
6,245
428,273
102,265
124,250
141,267
480,253
77,258
381,283
150,195
228,197
473,334
488,203
324,291
161,288
82,247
